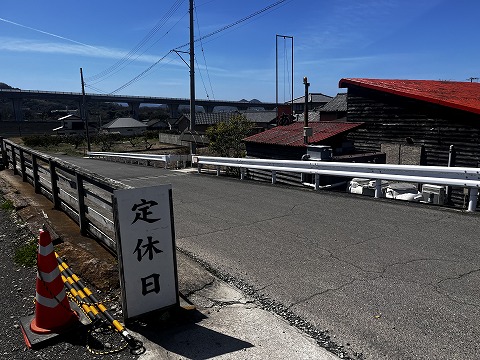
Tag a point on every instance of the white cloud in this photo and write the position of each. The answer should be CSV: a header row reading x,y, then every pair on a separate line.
x,y
34,46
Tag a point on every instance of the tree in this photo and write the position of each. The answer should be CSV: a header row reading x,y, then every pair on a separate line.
x,y
226,137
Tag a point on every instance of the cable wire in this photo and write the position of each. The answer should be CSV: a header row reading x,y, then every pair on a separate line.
x,y
256,13
139,76
204,59
143,53
137,48
201,77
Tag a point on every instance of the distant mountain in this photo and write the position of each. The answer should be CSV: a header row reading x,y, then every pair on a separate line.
x,y
5,86
253,101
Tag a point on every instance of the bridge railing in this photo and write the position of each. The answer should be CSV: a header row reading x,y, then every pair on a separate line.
x,y
468,178
149,159
86,197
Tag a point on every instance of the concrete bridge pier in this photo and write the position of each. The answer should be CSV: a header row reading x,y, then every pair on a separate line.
x,y
209,108
135,106
173,110
17,109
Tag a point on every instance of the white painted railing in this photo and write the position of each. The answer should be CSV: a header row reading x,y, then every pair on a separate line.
x,y
451,176
166,159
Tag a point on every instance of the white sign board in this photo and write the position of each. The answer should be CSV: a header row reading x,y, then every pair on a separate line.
x,y
146,249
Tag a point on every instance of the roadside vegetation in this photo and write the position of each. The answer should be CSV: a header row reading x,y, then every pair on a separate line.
x,y
76,145
26,255
226,137
6,205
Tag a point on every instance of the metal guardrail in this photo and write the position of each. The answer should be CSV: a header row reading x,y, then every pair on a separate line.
x,y
166,159
464,177
86,197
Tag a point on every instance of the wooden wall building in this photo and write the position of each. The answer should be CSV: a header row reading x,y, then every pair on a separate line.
x,y
420,118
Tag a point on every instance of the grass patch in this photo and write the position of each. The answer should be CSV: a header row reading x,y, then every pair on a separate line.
x,y
26,255
7,205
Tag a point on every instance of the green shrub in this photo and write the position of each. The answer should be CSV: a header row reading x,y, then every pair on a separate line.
x,y
106,140
7,205
26,255
42,140
226,138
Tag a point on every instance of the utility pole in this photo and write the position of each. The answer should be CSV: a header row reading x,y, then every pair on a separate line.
x,y
193,146
84,111
473,78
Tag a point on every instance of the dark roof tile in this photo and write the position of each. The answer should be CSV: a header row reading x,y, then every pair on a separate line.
x,y
292,135
338,103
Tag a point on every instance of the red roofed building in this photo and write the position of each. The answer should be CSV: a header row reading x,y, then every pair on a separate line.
x,y
416,121
287,142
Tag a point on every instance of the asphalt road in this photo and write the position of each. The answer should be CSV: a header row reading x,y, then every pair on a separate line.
x,y
386,279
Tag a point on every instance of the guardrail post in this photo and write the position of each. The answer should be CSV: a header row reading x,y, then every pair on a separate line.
x,y
317,181
14,161
199,168
242,173
472,201
378,188
4,158
36,180
274,176
53,181
218,170
82,220
22,165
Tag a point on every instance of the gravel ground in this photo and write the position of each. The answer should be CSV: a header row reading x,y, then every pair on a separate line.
x,y
18,291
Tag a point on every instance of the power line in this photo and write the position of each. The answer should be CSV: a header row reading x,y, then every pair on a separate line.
x,y
256,13
201,77
259,12
204,60
139,76
133,59
137,48
95,89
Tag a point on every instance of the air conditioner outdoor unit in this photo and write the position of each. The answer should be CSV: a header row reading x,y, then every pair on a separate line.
x,y
433,194
319,152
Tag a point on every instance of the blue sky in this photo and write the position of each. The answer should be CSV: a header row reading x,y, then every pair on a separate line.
x,y
43,44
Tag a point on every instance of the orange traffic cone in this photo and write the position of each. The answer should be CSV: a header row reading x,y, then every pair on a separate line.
x,y
53,311
52,308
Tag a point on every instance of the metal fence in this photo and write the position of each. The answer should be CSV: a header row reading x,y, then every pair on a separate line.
x,y
147,159
86,197
467,178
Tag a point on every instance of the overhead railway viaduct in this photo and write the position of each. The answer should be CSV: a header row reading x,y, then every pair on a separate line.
x,y
17,97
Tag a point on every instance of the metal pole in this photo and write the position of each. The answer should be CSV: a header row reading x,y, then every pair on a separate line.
x,y
451,162
305,111
276,69
472,201
378,188
192,79
292,78
84,111
276,72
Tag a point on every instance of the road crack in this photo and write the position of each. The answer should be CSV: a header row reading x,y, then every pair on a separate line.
x,y
322,293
